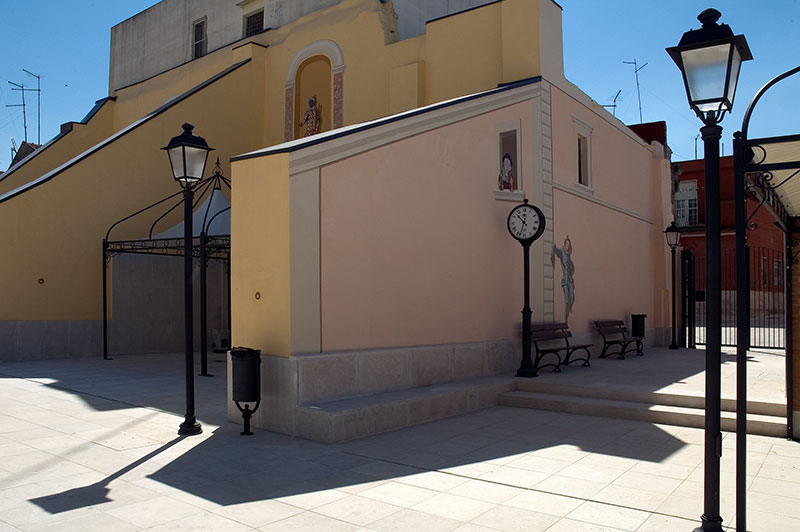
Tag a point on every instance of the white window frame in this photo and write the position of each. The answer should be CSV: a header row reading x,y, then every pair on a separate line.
x,y
685,214
583,165
203,42
508,195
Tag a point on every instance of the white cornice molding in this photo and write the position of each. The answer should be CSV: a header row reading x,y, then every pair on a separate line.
x,y
399,127
602,203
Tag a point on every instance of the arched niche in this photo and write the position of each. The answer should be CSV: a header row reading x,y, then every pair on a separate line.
x,y
308,62
313,79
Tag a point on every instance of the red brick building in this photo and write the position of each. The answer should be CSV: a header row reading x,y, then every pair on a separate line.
x,y
766,241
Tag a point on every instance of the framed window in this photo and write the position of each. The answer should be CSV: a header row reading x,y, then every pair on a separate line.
x,y
253,23
777,272
583,160
583,152
692,211
199,44
685,212
507,178
686,204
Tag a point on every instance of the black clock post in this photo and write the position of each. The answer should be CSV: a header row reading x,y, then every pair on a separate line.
x,y
526,224
526,369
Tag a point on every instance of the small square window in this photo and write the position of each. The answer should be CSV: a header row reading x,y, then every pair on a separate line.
x,y
253,24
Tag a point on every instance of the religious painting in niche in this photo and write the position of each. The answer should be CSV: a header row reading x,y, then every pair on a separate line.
x,y
564,255
312,118
312,97
507,178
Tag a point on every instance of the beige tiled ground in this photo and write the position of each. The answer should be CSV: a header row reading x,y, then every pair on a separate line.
x,y
91,445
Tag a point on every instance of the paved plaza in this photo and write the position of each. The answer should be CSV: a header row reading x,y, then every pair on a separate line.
x,y
87,444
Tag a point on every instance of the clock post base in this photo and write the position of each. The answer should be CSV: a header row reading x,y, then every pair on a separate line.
x,y
528,373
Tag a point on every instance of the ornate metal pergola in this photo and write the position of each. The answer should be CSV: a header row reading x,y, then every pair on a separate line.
x,y
207,245
767,168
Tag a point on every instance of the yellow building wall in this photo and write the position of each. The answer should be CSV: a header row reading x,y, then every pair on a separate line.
x,y
520,31
243,111
470,43
56,228
74,142
260,280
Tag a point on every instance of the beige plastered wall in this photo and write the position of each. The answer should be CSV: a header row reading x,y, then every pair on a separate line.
x,y
414,248
615,225
404,242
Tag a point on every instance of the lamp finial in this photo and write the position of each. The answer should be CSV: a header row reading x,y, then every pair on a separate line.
x,y
709,17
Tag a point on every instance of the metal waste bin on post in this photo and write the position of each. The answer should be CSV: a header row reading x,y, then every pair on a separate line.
x,y
246,382
637,325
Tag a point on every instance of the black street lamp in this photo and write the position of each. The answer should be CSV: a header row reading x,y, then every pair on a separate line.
x,y
709,59
673,236
187,156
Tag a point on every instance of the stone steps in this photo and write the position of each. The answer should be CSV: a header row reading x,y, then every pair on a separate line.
x,y
358,417
655,407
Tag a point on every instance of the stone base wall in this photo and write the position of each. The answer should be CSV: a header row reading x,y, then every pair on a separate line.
x,y
146,310
334,397
297,391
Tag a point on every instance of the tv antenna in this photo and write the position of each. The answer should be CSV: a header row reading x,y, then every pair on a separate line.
x,y
20,87
38,91
636,69
613,105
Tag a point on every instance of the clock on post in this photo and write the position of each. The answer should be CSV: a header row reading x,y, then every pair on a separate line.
x,y
526,223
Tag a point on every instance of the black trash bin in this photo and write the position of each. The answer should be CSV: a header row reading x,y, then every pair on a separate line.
x,y
246,368
637,325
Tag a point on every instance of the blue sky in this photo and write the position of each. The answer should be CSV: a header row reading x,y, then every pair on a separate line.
x,y
67,44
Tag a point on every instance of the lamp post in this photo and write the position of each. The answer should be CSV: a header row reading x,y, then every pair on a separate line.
x,y
709,59
673,236
187,157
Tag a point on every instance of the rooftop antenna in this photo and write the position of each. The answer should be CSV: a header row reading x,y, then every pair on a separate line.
x,y
20,87
38,92
613,105
13,148
636,69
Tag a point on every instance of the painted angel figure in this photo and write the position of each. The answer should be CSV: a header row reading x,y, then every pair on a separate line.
x,y
567,271
312,118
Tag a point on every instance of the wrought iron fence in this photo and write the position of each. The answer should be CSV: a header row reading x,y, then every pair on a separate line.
x,y
767,299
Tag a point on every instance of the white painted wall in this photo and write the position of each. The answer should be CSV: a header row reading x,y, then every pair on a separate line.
x,y
161,37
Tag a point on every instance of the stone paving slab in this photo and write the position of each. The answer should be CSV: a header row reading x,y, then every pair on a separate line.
x,y
92,445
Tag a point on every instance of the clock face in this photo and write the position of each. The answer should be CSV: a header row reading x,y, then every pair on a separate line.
x,y
525,222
